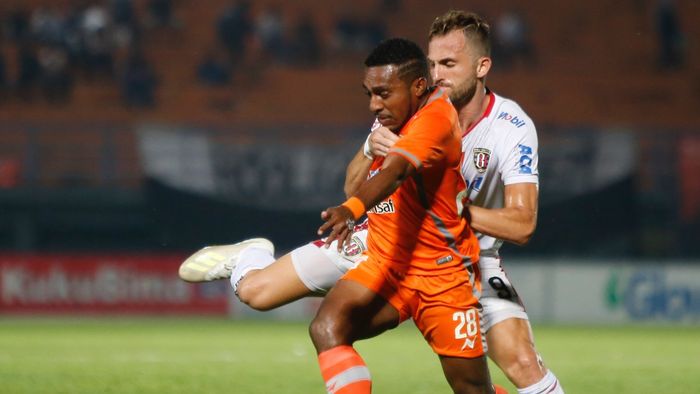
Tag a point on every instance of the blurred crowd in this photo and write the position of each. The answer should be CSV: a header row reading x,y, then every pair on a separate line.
x,y
58,46
53,47
47,50
270,35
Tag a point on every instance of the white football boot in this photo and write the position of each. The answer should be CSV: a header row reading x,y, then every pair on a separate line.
x,y
217,262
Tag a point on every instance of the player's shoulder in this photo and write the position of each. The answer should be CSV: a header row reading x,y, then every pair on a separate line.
x,y
509,117
439,108
439,101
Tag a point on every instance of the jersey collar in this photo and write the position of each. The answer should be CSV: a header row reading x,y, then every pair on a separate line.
x,y
487,112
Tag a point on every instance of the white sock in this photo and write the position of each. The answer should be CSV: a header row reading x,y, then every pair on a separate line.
x,y
548,385
249,259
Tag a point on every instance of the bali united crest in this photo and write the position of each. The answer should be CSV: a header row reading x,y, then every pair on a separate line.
x,y
482,156
353,248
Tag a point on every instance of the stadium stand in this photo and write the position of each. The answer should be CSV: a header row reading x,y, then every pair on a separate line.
x,y
593,59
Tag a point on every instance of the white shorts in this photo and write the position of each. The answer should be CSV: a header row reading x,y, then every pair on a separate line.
x,y
498,296
319,268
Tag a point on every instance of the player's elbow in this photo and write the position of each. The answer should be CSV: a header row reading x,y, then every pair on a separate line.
x,y
523,236
521,241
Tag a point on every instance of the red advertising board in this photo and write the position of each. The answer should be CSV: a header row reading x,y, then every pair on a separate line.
x,y
104,283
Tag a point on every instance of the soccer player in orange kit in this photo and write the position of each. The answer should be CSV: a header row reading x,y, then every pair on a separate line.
x,y
421,259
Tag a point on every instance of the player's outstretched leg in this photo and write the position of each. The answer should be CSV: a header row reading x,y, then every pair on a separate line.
x,y
275,285
263,283
309,270
218,262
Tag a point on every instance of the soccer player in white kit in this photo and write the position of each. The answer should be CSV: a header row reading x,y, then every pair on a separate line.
x,y
500,168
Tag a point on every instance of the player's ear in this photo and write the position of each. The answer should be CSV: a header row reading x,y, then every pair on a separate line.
x,y
483,65
419,86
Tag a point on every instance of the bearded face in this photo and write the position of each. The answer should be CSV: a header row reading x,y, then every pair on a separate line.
x,y
453,66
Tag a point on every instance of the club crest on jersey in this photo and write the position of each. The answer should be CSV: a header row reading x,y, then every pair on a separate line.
x,y
482,156
353,248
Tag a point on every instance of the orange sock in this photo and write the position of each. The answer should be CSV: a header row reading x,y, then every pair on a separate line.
x,y
499,390
344,371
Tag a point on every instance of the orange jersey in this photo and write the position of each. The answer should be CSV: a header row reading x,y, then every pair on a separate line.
x,y
419,229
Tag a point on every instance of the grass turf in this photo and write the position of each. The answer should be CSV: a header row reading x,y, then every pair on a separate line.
x,y
128,355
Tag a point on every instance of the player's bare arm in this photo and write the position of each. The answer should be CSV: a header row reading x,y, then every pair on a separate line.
x,y
516,221
394,171
356,172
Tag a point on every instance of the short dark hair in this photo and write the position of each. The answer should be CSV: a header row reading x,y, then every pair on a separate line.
x,y
474,27
406,54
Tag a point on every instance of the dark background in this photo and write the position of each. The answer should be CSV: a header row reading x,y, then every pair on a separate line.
x,y
613,87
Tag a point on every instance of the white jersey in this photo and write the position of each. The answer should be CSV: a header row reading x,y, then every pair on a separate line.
x,y
500,149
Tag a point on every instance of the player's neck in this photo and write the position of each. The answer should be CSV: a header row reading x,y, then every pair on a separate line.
x,y
426,96
473,111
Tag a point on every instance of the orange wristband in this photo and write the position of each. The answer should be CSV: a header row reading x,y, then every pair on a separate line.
x,y
356,206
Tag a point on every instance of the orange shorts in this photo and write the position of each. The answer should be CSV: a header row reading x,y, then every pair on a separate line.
x,y
445,308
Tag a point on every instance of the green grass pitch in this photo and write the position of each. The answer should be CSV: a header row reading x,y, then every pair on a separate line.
x,y
131,355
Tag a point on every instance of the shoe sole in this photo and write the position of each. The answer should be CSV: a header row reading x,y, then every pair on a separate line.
x,y
195,268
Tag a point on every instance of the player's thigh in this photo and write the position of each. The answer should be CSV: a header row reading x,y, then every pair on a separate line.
x,y
499,298
353,304
496,310
467,375
317,267
349,312
273,286
451,330
446,311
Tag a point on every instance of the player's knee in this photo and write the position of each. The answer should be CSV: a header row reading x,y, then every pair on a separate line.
x,y
320,329
252,292
325,332
524,367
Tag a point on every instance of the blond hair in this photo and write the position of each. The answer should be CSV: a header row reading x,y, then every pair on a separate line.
x,y
475,28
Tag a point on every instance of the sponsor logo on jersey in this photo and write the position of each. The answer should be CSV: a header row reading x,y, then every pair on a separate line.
x,y
525,159
514,120
383,207
444,259
482,156
475,184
